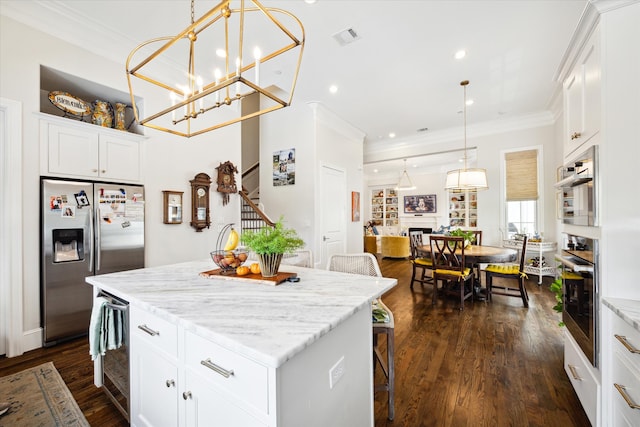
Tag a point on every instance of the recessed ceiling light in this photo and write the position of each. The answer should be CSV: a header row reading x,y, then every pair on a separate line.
x,y
469,101
392,135
333,88
375,171
221,53
460,54
309,1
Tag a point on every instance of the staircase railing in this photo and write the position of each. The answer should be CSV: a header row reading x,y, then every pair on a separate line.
x,y
251,216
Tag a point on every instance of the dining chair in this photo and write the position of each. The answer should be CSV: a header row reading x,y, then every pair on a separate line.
x,y
367,264
508,272
477,234
420,264
447,257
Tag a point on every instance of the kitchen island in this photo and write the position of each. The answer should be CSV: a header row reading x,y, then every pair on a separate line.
x,y
211,351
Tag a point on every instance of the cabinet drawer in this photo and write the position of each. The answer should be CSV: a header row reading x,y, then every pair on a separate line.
x,y
626,333
154,330
579,371
627,380
249,381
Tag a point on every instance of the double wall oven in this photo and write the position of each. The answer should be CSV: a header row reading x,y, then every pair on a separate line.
x,y
580,289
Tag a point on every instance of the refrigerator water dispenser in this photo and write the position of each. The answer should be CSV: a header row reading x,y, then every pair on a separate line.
x,y
67,245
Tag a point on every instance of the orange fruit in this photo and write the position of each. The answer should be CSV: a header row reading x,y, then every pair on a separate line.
x,y
255,268
242,270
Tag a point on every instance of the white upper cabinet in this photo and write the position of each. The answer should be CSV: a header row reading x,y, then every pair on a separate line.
x,y
80,150
582,97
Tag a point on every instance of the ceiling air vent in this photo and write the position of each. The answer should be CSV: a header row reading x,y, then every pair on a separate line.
x,y
347,36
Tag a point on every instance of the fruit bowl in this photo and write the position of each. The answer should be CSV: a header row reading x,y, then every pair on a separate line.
x,y
228,261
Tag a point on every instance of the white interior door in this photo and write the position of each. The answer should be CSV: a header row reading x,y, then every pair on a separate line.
x,y
333,212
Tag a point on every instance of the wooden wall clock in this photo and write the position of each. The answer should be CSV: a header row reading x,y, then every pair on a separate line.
x,y
200,186
226,180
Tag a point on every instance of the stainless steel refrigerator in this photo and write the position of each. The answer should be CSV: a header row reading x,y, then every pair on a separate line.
x,y
87,228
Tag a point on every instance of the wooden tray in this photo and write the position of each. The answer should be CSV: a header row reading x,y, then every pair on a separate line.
x,y
251,278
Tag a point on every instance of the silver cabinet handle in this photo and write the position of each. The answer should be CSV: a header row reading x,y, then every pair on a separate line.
x,y
171,383
574,373
209,364
625,396
186,395
148,330
626,344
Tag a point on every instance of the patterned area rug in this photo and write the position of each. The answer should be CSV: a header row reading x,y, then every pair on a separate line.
x,y
39,398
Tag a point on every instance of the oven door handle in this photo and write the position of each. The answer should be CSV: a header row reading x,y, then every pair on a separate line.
x,y
578,268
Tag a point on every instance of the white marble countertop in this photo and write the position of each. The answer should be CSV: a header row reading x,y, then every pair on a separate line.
x,y
627,309
269,324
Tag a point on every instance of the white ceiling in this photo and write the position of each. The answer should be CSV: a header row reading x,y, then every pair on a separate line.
x,y
400,76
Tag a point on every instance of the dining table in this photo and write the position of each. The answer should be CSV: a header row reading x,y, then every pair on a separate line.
x,y
479,254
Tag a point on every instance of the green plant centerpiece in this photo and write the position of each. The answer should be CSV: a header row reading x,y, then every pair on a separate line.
x,y
469,236
270,243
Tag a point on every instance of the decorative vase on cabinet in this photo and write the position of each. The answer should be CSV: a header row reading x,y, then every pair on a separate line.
x,y
102,114
119,116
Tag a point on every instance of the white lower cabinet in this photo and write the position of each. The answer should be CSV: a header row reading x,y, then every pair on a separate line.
x,y
223,385
206,405
179,378
623,385
582,377
154,370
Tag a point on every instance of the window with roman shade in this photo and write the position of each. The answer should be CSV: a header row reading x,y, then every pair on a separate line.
x,y
521,190
522,175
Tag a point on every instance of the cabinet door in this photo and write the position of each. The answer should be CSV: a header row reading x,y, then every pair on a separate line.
x,y
591,83
582,97
206,406
154,387
72,151
119,158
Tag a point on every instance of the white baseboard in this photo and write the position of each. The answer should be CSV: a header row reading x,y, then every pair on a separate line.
x,y
32,339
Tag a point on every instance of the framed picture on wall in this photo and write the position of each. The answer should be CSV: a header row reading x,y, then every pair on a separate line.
x,y
355,206
420,204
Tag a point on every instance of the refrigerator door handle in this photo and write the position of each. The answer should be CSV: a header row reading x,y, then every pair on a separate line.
x,y
91,233
98,243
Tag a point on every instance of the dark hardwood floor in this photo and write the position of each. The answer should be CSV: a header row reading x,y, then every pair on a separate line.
x,y
493,364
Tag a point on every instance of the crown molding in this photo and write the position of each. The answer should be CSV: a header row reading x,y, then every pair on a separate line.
x,y
491,127
328,118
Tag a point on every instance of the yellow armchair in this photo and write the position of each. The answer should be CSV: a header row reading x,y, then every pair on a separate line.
x,y
395,246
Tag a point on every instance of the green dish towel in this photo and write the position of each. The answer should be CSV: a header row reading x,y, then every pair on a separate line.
x,y
379,315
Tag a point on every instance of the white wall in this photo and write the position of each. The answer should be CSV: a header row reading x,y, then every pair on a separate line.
x,y
319,138
170,161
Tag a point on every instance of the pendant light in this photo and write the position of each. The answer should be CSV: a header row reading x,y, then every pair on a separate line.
x,y
239,44
473,179
405,182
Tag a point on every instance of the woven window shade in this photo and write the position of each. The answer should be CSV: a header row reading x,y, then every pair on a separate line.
x,y
522,175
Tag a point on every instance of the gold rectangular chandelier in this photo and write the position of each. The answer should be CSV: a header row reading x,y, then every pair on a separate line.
x,y
242,47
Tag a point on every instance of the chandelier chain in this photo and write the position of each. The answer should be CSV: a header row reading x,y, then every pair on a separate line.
x,y
193,11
